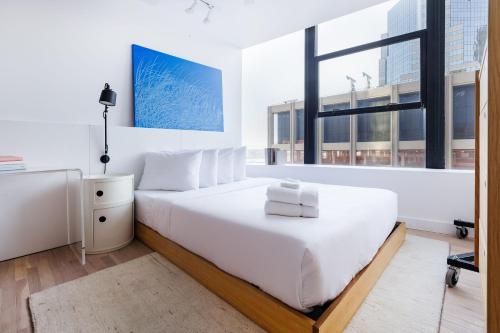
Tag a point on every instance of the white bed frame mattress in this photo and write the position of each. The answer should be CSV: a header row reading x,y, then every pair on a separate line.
x,y
303,262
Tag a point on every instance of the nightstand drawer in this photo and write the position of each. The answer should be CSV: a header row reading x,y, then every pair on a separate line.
x,y
112,226
113,191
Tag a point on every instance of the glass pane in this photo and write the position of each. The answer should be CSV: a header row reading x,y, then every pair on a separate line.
x,y
374,126
411,122
336,129
411,151
373,157
298,156
340,157
463,158
299,126
466,30
387,19
371,73
464,99
465,40
411,158
282,128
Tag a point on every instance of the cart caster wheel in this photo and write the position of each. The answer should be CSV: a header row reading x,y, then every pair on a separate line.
x,y
462,232
452,276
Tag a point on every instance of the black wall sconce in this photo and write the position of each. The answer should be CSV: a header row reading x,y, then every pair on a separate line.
x,y
108,98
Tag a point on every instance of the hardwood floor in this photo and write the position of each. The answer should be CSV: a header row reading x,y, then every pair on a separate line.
x,y
20,277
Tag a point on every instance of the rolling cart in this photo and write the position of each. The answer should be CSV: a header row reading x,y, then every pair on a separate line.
x,y
458,261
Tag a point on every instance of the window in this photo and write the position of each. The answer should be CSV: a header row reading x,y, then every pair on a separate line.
x,y
374,104
411,122
282,128
298,147
383,77
463,152
285,117
464,98
336,129
411,148
373,145
335,146
465,40
299,126
374,127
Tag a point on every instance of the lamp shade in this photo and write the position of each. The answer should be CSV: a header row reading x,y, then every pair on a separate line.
x,y
108,96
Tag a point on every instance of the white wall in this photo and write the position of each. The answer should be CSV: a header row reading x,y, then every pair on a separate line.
x,y
55,57
428,199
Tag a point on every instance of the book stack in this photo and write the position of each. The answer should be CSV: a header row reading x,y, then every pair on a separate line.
x,y
11,163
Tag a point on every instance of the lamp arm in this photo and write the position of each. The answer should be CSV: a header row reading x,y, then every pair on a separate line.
x,y
105,116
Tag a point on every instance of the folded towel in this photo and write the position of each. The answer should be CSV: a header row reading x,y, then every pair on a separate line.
x,y
284,209
305,195
290,183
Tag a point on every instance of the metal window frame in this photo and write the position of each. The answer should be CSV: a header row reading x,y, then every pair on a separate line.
x,y
432,46
420,35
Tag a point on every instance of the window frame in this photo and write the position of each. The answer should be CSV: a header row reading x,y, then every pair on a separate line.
x,y
421,35
432,46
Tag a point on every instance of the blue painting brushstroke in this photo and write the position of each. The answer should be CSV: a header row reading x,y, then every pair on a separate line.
x,y
170,92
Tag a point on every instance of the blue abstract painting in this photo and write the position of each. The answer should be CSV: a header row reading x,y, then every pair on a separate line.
x,y
170,92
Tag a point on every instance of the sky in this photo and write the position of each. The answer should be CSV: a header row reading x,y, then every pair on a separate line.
x,y
273,72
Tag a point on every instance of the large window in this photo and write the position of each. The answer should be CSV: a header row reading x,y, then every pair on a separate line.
x,y
376,103
382,78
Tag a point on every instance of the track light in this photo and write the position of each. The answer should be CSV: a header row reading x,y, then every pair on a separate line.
x,y
190,9
210,7
206,20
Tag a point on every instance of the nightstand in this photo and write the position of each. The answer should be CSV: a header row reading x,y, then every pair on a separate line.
x,y
108,212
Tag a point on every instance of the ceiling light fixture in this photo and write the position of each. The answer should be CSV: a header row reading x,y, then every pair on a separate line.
x,y
210,7
190,9
206,20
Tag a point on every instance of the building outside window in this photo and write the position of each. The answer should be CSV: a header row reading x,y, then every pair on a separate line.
x,y
373,134
411,150
336,137
463,101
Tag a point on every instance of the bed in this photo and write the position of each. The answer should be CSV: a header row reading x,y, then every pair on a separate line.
x,y
301,263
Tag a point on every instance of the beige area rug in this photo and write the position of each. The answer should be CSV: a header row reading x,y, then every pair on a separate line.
x,y
409,296
149,294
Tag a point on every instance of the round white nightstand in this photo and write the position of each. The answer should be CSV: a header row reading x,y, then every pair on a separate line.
x,y
108,205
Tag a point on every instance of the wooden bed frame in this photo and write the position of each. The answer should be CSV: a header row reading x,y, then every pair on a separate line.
x,y
265,310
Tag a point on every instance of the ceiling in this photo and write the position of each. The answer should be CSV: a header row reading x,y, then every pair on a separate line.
x,y
243,23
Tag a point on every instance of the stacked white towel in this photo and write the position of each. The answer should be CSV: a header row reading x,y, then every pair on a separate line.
x,y
290,198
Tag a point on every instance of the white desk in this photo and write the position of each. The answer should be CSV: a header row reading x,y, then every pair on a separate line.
x,y
59,170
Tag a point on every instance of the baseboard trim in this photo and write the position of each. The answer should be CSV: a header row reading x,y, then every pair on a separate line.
x,y
430,225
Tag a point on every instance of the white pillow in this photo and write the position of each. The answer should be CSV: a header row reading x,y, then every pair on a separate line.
x,y
225,166
208,170
240,163
172,171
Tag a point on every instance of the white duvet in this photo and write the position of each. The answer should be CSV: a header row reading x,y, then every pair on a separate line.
x,y
303,262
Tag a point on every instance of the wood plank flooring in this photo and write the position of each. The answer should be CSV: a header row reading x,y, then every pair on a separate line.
x,y
20,277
